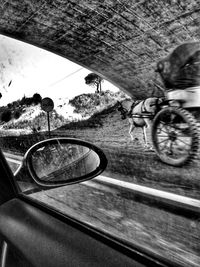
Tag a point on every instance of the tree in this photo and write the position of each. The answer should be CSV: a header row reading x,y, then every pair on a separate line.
x,y
94,79
37,98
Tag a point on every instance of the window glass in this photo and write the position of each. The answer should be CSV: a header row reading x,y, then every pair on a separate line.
x,y
139,198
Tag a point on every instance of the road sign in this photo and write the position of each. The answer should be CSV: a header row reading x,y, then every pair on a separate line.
x,y
47,104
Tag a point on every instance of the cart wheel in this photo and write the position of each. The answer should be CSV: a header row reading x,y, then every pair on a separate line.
x,y
175,136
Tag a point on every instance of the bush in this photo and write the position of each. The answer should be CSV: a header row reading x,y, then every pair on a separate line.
x,y
6,115
17,114
35,99
28,101
88,104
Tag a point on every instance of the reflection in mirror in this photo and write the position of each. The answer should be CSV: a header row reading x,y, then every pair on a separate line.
x,y
62,162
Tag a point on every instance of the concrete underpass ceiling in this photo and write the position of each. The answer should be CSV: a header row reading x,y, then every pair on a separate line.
x,y
120,39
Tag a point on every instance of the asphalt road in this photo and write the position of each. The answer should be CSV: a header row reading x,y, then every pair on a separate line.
x,y
16,160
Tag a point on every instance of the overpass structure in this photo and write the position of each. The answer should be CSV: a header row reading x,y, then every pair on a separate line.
x,y
119,40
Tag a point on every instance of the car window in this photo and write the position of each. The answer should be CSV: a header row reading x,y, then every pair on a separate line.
x,y
147,201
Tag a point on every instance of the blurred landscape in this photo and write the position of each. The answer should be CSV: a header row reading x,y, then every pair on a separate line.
x,y
99,122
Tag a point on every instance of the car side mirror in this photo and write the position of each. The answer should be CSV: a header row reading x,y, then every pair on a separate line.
x,y
63,161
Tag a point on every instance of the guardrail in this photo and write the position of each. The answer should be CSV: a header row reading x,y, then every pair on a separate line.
x,y
188,207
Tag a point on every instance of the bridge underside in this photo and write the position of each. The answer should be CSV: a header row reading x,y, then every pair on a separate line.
x,y
120,39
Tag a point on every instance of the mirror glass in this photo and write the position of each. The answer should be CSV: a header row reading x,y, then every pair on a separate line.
x,y
62,162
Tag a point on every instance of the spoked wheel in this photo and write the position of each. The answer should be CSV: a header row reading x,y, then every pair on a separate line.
x,y
175,136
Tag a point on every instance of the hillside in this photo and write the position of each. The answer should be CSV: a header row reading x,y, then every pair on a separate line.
x,y
25,116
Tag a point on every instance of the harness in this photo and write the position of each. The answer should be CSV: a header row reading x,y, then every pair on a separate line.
x,y
144,112
143,107
132,107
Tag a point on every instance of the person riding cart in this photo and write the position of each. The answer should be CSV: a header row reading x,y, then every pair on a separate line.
x,y
180,73
175,132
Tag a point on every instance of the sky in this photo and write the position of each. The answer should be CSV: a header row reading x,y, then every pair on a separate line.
x,y
25,70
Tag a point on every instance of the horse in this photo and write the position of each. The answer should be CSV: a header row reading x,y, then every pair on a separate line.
x,y
140,113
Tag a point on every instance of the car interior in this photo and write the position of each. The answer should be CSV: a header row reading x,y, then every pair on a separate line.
x,y
89,190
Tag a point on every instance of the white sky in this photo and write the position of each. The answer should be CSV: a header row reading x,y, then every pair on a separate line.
x,y
33,70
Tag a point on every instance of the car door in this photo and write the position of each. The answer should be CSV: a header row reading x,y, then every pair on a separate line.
x,y
139,212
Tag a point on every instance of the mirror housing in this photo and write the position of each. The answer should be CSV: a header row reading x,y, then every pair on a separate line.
x,y
63,161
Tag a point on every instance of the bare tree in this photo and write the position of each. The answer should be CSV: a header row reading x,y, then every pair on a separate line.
x,y
94,79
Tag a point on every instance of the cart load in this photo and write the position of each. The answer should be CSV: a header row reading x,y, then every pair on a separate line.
x,y
181,69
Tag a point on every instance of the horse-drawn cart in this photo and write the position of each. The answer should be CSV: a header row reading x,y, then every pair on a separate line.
x,y
174,118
